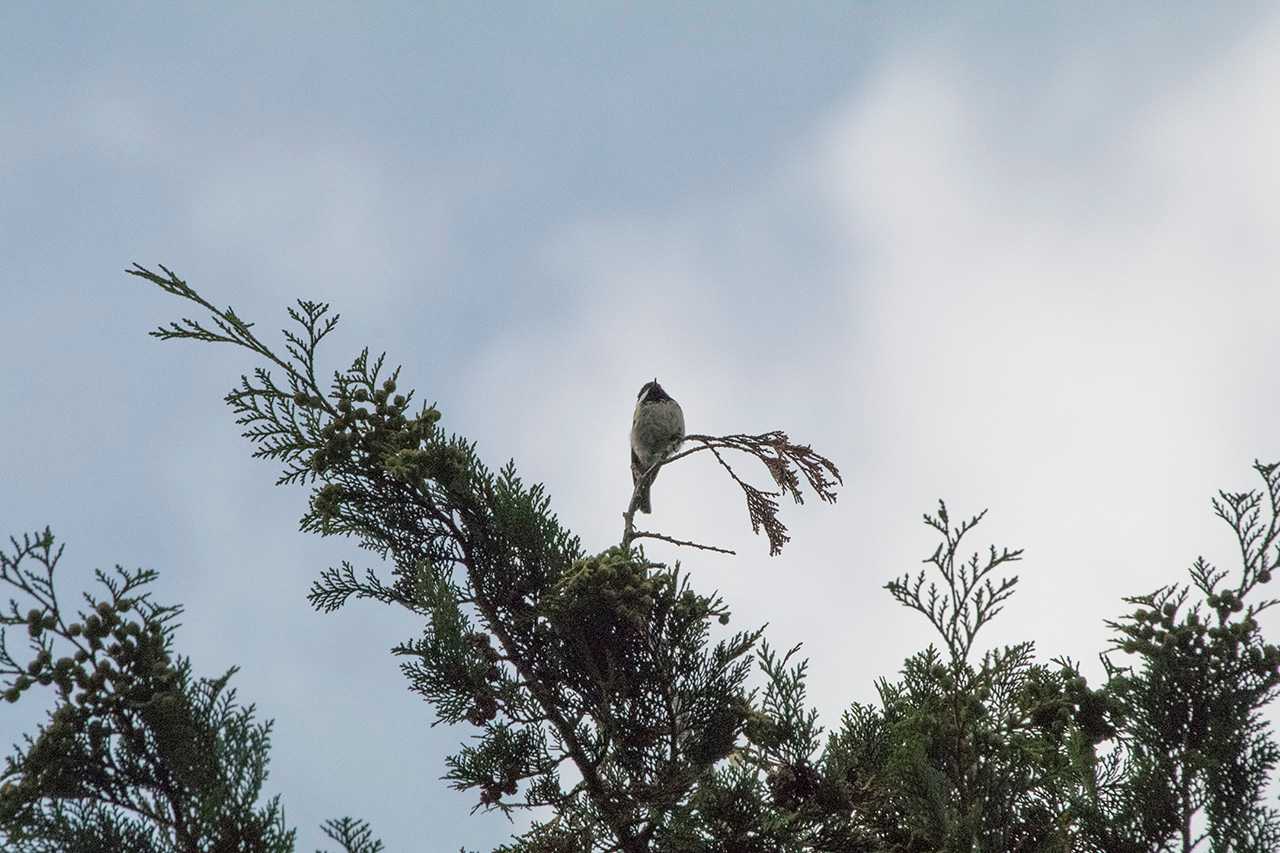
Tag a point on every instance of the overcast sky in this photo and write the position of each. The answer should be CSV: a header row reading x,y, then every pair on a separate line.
x,y
1013,257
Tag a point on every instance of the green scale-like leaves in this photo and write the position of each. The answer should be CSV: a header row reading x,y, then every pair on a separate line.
x,y
601,664
595,690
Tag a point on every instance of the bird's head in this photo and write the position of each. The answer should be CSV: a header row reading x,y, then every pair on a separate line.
x,y
652,392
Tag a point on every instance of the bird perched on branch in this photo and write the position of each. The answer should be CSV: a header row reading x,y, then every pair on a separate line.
x,y
657,429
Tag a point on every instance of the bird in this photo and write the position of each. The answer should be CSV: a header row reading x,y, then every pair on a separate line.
x,y
657,429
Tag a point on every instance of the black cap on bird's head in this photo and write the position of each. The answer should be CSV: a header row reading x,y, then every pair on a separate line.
x,y
652,391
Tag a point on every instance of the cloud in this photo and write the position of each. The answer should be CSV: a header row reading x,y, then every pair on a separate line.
x,y
291,209
278,205
1074,336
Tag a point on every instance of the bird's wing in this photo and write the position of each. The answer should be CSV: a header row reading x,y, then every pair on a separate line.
x,y
636,470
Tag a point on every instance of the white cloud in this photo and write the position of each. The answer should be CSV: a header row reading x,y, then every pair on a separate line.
x,y
327,215
274,207
1077,339
1073,340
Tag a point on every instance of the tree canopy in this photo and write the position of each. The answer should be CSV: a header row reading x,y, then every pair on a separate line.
x,y
606,695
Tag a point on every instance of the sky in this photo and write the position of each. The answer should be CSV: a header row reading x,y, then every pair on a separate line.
x,y
1020,257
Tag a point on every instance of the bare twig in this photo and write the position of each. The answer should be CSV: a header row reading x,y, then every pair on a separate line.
x,y
629,517
645,534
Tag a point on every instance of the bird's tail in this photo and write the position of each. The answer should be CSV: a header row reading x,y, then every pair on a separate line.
x,y
644,505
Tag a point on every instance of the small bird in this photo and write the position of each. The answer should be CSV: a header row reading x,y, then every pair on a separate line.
x,y
657,429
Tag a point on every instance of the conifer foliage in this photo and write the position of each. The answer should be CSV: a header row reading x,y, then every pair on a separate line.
x,y
137,754
600,699
595,666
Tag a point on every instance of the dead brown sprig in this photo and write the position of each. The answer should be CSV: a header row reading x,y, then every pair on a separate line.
x,y
786,463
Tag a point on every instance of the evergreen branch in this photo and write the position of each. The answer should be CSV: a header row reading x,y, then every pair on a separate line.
x,y
335,586
970,600
137,754
355,836
231,329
